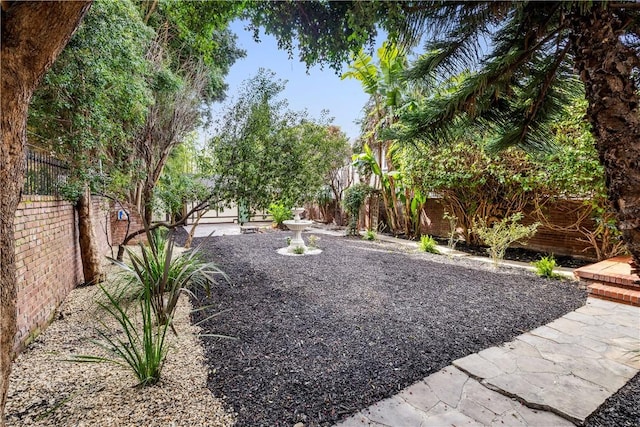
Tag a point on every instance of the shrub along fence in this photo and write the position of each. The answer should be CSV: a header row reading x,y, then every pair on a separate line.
x,y
560,241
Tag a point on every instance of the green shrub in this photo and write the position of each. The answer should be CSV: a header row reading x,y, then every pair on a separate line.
x,y
313,241
354,198
164,276
143,348
428,244
280,212
545,266
298,250
503,233
157,280
369,235
453,229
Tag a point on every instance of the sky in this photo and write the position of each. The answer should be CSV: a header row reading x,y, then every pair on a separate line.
x,y
314,91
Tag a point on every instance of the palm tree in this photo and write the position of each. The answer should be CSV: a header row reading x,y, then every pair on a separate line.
x,y
384,83
521,58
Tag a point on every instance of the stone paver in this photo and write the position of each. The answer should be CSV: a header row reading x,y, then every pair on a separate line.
x,y
451,398
561,372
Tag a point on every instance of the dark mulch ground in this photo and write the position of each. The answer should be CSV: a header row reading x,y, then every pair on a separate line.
x,y
320,337
620,410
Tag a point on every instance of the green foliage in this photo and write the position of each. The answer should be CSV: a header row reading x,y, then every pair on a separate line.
x,y
179,183
327,32
198,29
95,96
313,241
157,273
298,250
263,152
428,244
545,266
354,198
453,229
370,235
503,233
288,241
280,212
143,348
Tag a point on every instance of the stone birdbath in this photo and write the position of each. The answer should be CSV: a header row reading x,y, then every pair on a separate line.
x,y
297,225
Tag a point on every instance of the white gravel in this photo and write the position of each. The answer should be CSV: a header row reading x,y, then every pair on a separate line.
x,y
46,390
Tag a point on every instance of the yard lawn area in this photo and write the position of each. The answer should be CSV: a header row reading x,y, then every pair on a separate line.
x,y
319,337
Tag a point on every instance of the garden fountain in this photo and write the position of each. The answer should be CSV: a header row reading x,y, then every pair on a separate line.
x,y
297,245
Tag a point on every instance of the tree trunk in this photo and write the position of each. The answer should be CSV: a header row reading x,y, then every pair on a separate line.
x,y
91,265
192,232
606,66
33,34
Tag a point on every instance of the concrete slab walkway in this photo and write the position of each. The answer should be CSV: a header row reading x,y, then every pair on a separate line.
x,y
554,375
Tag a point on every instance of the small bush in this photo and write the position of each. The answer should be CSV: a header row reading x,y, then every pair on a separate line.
x,y
428,244
166,276
354,198
142,349
369,235
453,229
280,213
298,250
545,266
503,233
313,241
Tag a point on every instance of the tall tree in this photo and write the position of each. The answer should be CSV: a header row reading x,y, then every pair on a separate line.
x,y
385,84
90,104
263,152
33,34
191,55
532,50
517,87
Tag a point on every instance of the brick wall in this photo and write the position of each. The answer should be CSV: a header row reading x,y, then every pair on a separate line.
x,y
119,227
48,258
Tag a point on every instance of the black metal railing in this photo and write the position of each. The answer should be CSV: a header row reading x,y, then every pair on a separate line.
x,y
44,174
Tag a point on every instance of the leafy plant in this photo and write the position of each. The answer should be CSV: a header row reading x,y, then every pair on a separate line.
x,y
453,233
280,213
369,235
545,266
313,241
143,348
354,198
503,233
428,244
163,277
298,250
288,241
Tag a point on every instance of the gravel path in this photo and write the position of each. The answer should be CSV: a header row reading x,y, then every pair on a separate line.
x,y
46,390
320,337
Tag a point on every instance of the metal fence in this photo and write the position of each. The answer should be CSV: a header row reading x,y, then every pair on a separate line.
x,y
44,174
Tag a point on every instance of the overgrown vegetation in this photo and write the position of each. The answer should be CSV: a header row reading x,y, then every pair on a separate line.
x,y
264,152
501,234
